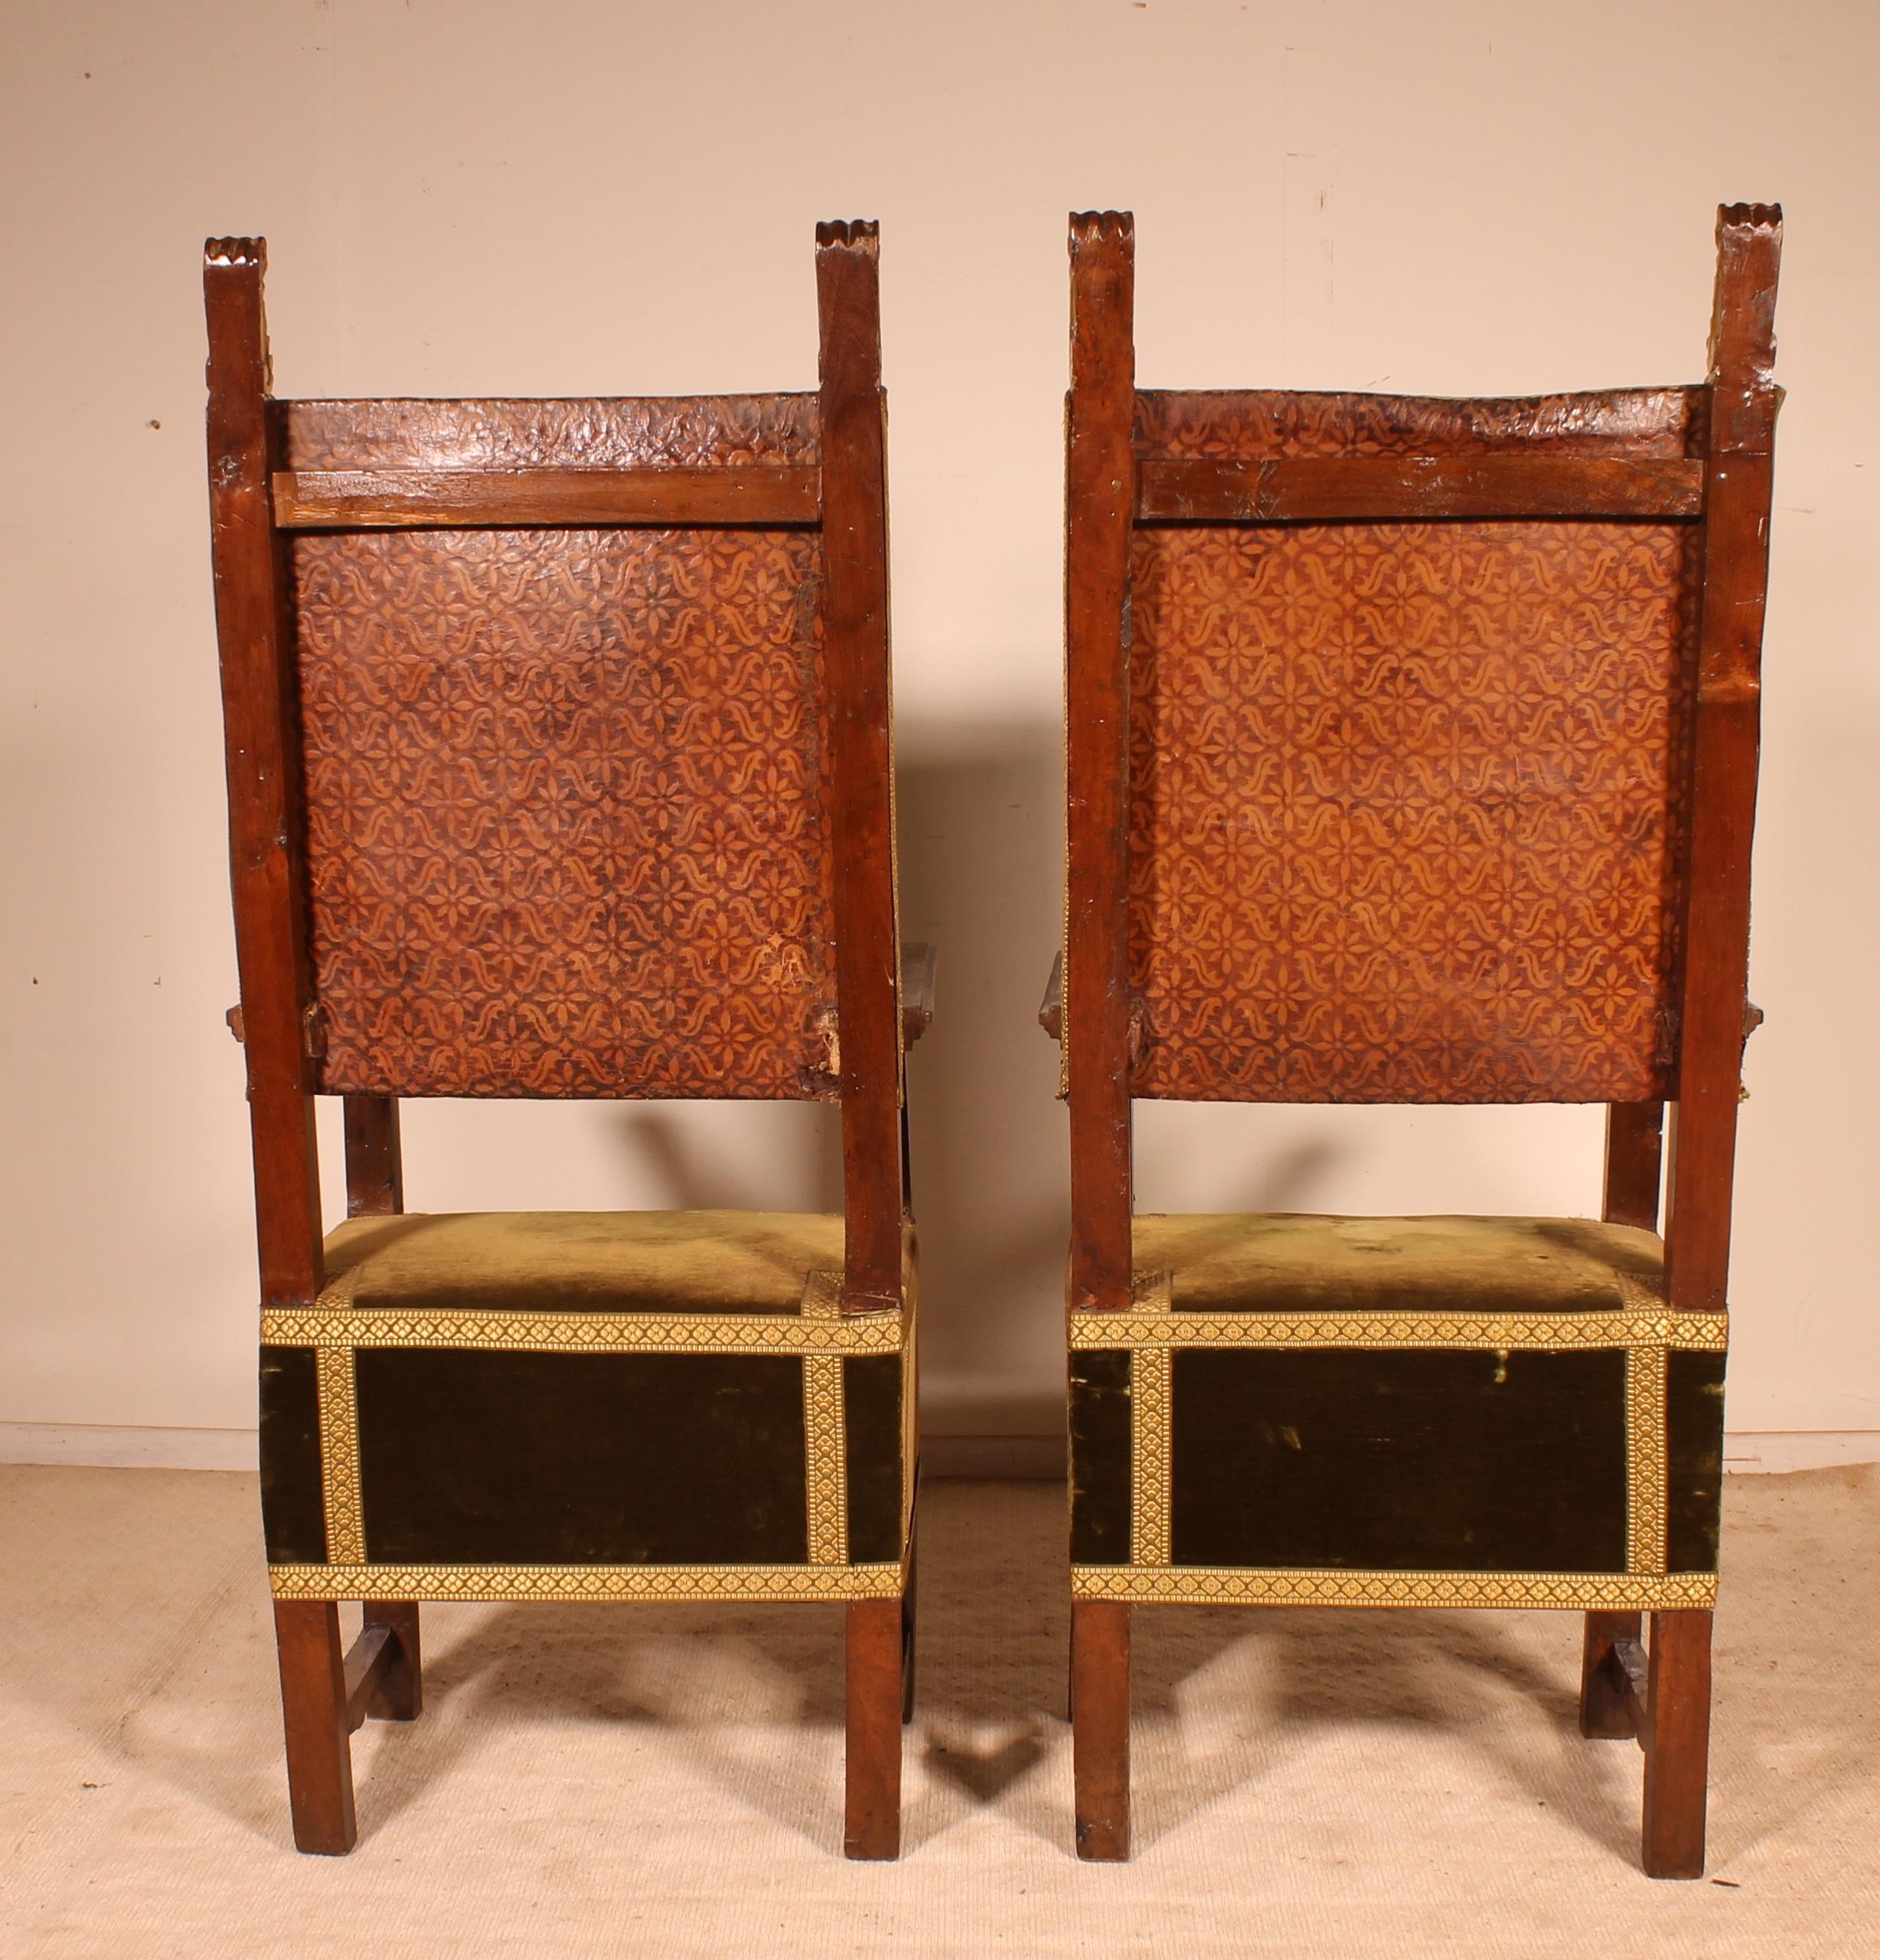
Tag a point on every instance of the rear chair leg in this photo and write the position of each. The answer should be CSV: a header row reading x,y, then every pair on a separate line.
x,y
313,1707
1100,1725
875,1698
399,1695
1605,1707
1677,1745
907,1618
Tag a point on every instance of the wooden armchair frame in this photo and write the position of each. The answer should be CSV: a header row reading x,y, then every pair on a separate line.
x,y
1117,481
489,467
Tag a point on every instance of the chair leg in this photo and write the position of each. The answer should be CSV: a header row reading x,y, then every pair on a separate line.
x,y
1605,1707
1100,1725
908,1621
872,1826
313,1708
398,1696
1677,1745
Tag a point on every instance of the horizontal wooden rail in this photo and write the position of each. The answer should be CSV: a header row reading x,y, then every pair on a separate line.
x,y
1329,489
1631,1674
675,497
368,1660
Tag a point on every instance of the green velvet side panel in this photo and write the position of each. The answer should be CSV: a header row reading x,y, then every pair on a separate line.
x,y
1401,1459
293,1508
511,1458
1100,1456
871,1395
1694,1418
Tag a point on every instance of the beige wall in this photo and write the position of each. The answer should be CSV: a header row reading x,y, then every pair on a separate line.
x,y
609,197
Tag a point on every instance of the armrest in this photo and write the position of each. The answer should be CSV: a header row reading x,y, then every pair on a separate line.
x,y
919,961
1051,1008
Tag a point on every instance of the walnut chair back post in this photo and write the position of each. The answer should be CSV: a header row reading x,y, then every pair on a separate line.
x,y
427,904
1713,1018
859,776
1672,487
860,759
266,810
1100,494
1094,1006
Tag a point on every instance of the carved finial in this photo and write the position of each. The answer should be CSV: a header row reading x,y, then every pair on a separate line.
x,y
1743,324
235,251
856,234
1736,217
1102,227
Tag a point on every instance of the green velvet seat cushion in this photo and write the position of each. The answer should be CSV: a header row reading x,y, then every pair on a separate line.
x,y
586,1262
1282,1262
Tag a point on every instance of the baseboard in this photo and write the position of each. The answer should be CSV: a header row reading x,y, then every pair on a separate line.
x,y
1029,1457
1746,1453
103,1446
1750,1452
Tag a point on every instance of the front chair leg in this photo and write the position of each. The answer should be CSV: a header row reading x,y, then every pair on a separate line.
x,y
1605,1707
1100,1725
313,1709
399,1695
1677,1745
874,1663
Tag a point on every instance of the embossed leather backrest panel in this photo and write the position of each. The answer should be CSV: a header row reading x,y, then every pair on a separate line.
x,y
1407,800
566,831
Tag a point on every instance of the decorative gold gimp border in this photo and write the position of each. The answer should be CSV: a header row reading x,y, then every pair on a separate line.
x,y
820,1334
1580,1592
338,1325
825,1437
338,1391
1151,1329
592,1583
1135,1329
1647,1472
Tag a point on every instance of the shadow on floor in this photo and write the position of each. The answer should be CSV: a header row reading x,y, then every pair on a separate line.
x,y
1226,1700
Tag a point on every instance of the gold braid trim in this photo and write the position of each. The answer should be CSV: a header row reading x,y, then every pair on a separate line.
x,y
338,1395
585,1582
342,1326
1647,1470
1135,1328
1151,1423
825,1432
1151,1371
1228,1586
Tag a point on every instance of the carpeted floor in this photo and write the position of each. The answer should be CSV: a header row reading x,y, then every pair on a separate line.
x,y
665,1781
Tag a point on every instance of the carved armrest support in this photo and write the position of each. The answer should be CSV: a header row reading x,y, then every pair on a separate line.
x,y
1753,1018
312,1030
1051,1008
919,963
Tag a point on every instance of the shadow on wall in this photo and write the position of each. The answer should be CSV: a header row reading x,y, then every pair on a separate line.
x,y
980,823
667,1146
980,828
